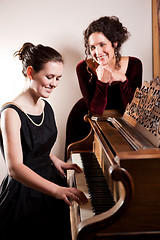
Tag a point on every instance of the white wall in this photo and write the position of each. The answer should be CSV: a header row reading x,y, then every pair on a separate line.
x,y
60,24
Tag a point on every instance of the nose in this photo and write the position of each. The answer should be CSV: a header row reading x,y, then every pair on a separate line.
x,y
54,82
98,51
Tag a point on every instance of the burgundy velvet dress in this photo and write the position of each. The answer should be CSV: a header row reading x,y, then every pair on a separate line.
x,y
99,96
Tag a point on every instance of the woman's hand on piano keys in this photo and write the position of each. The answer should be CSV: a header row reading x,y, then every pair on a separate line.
x,y
75,167
61,166
69,194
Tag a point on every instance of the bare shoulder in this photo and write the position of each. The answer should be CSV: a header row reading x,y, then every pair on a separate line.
x,y
124,59
10,119
10,126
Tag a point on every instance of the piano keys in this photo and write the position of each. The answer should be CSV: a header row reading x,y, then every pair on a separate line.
x,y
98,189
121,165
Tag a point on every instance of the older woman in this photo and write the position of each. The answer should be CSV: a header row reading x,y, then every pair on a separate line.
x,y
107,80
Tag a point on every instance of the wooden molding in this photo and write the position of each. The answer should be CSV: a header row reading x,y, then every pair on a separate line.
x,y
156,40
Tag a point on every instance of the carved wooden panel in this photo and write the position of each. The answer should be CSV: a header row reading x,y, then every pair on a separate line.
x,y
144,111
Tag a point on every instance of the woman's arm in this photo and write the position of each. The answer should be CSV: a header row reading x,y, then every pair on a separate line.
x,y
11,124
94,94
96,97
84,82
99,100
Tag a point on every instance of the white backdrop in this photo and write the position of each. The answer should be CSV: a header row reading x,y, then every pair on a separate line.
x,y
60,24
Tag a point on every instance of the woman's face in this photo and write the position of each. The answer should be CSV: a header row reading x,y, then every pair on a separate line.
x,y
44,81
101,48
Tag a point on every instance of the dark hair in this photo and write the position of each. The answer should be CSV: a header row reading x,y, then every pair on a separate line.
x,y
36,56
112,29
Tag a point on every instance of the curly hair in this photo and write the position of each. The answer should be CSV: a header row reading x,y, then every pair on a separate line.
x,y
112,29
36,56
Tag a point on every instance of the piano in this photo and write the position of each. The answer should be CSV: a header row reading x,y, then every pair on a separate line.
x,y
120,159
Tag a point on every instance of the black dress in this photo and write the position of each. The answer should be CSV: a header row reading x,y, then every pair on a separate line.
x,y
26,213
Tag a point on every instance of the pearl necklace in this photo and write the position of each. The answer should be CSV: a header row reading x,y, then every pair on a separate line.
x,y
36,124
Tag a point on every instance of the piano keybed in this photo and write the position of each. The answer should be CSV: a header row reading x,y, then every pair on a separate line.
x,y
99,193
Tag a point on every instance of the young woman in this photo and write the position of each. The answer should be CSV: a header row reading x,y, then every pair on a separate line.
x,y
107,80
34,196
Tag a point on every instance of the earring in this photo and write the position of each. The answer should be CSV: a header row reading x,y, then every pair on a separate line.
x,y
116,53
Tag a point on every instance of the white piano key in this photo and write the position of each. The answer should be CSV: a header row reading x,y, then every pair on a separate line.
x,y
85,209
76,158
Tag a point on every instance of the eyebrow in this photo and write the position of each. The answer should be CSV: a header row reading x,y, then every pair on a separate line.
x,y
53,75
98,43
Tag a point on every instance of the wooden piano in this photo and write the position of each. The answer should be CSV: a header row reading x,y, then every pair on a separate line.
x,y
121,178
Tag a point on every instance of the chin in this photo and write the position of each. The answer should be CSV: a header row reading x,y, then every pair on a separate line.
x,y
105,63
46,95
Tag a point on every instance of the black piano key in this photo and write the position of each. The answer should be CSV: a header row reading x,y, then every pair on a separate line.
x,y
100,195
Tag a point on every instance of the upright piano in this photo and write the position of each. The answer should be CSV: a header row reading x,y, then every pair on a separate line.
x,y
120,159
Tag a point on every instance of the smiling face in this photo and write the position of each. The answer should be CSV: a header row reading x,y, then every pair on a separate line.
x,y
44,81
101,48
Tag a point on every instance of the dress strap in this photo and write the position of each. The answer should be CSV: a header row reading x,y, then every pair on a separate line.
x,y
10,105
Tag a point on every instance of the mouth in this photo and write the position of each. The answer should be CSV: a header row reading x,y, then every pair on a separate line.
x,y
101,58
49,89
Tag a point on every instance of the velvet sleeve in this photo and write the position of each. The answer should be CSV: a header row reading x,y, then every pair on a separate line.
x,y
99,101
134,80
94,94
83,78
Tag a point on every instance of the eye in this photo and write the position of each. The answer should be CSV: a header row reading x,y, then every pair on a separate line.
x,y
58,77
92,48
49,77
102,44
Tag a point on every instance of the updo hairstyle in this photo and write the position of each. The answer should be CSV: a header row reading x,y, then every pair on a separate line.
x,y
36,56
112,29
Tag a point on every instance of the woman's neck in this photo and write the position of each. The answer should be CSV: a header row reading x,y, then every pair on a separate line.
x,y
112,63
29,102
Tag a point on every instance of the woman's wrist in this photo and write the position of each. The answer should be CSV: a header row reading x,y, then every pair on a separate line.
x,y
102,83
124,78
